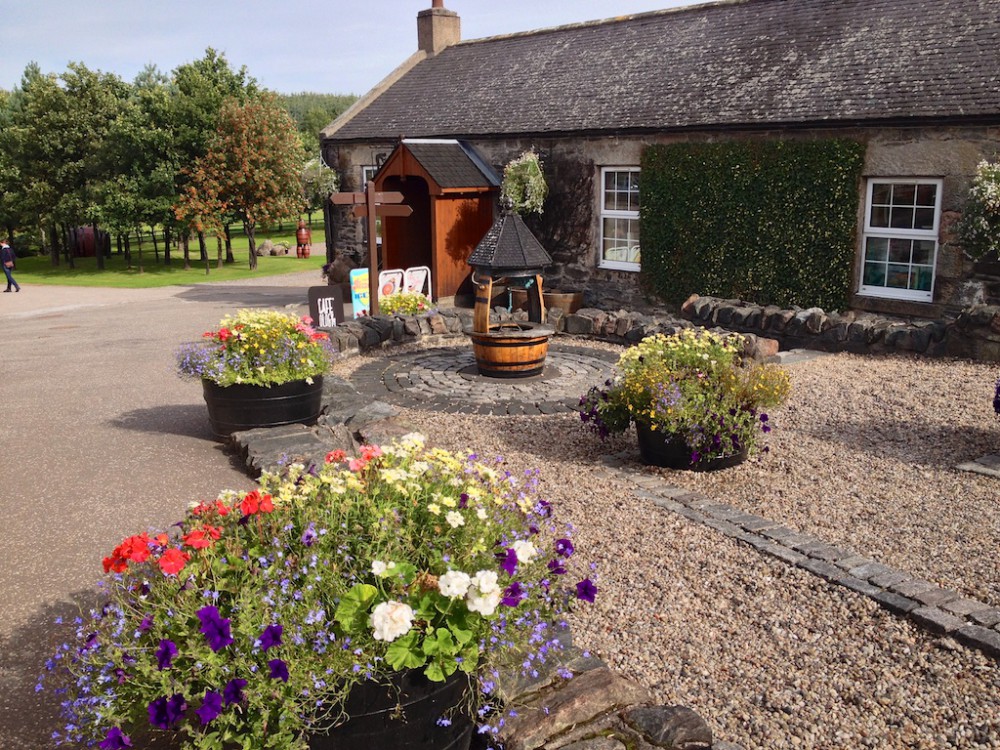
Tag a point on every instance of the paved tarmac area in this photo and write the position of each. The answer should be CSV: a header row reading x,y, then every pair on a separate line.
x,y
99,439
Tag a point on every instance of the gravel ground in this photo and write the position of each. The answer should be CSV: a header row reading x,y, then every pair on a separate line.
x,y
771,656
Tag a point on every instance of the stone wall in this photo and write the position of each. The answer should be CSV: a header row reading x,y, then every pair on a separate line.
x,y
570,226
973,334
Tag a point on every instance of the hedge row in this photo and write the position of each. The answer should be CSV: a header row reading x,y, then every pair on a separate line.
x,y
773,222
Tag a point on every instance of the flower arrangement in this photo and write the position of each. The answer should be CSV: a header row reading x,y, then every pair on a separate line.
x,y
693,385
979,227
253,618
405,303
258,347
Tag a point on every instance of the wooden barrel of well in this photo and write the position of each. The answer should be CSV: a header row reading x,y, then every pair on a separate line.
x,y
511,352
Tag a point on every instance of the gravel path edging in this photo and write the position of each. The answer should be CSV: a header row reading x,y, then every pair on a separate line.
x,y
940,611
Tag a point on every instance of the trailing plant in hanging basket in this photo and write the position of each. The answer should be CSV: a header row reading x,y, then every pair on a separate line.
x,y
524,188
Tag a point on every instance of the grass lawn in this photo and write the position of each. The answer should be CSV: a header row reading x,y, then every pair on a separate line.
x,y
39,270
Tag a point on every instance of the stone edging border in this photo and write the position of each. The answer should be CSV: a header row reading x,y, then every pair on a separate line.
x,y
940,611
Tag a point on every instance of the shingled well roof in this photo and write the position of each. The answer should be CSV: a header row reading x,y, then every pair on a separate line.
x,y
741,63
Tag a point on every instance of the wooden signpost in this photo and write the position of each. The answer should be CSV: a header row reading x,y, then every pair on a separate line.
x,y
367,205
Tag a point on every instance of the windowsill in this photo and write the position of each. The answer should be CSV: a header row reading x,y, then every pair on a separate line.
x,y
615,266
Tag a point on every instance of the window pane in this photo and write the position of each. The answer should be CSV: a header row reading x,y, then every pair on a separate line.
x,y
902,218
922,277
877,248
874,274
904,194
609,180
923,218
881,192
898,277
923,252
927,195
880,216
899,251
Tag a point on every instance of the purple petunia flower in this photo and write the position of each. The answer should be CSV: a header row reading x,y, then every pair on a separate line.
x,y
211,706
586,590
146,624
309,535
215,627
513,595
115,740
509,564
165,712
557,567
165,654
233,692
279,670
544,508
564,547
270,637
463,500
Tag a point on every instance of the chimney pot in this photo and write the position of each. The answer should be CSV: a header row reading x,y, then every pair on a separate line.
x,y
437,3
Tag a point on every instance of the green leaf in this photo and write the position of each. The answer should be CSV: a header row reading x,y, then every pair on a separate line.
x,y
404,653
440,643
352,612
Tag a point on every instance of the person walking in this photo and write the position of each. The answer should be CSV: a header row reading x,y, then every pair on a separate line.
x,y
9,261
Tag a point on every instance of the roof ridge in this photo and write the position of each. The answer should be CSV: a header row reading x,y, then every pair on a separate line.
x,y
598,22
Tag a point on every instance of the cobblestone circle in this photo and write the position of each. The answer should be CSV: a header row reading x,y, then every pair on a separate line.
x,y
446,379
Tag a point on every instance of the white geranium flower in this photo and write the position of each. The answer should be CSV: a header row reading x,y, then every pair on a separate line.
x,y
525,550
390,620
485,581
484,604
481,514
379,568
454,584
454,519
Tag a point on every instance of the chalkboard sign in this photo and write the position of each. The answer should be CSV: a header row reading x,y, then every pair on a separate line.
x,y
326,305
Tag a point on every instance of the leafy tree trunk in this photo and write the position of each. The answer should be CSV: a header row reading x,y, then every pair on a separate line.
x,y
67,248
128,253
54,247
230,258
166,246
203,250
138,241
98,246
250,229
218,251
186,246
156,247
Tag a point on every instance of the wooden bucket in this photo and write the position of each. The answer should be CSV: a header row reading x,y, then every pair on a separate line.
x,y
513,350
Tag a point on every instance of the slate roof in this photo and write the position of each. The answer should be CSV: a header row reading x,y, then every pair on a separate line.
x,y
738,63
510,246
452,164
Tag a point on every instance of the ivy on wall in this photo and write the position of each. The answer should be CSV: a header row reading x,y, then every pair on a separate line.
x,y
772,222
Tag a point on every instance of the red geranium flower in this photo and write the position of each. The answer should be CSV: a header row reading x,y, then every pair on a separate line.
x,y
335,457
173,561
222,508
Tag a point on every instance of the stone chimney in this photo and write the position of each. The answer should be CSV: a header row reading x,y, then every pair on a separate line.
x,y
437,28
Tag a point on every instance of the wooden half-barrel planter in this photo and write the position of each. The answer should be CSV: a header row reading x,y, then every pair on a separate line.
x,y
513,349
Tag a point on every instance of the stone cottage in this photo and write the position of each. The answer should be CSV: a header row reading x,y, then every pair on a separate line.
x,y
917,82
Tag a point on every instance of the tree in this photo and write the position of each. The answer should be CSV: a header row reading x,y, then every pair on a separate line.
x,y
252,168
318,181
312,112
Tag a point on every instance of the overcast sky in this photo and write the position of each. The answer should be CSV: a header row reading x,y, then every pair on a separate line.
x,y
326,46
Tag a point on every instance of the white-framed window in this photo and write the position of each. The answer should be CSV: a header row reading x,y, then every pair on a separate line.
x,y
367,174
900,238
619,200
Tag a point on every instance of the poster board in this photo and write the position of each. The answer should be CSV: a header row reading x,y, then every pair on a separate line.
x,y
326,305
360,293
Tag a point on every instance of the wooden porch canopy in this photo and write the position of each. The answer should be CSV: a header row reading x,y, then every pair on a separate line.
x,y
452,191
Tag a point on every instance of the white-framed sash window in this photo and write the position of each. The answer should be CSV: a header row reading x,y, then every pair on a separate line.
x,y
619,200
899,243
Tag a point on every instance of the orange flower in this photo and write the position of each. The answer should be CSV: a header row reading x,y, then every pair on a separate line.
x,y
335,457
